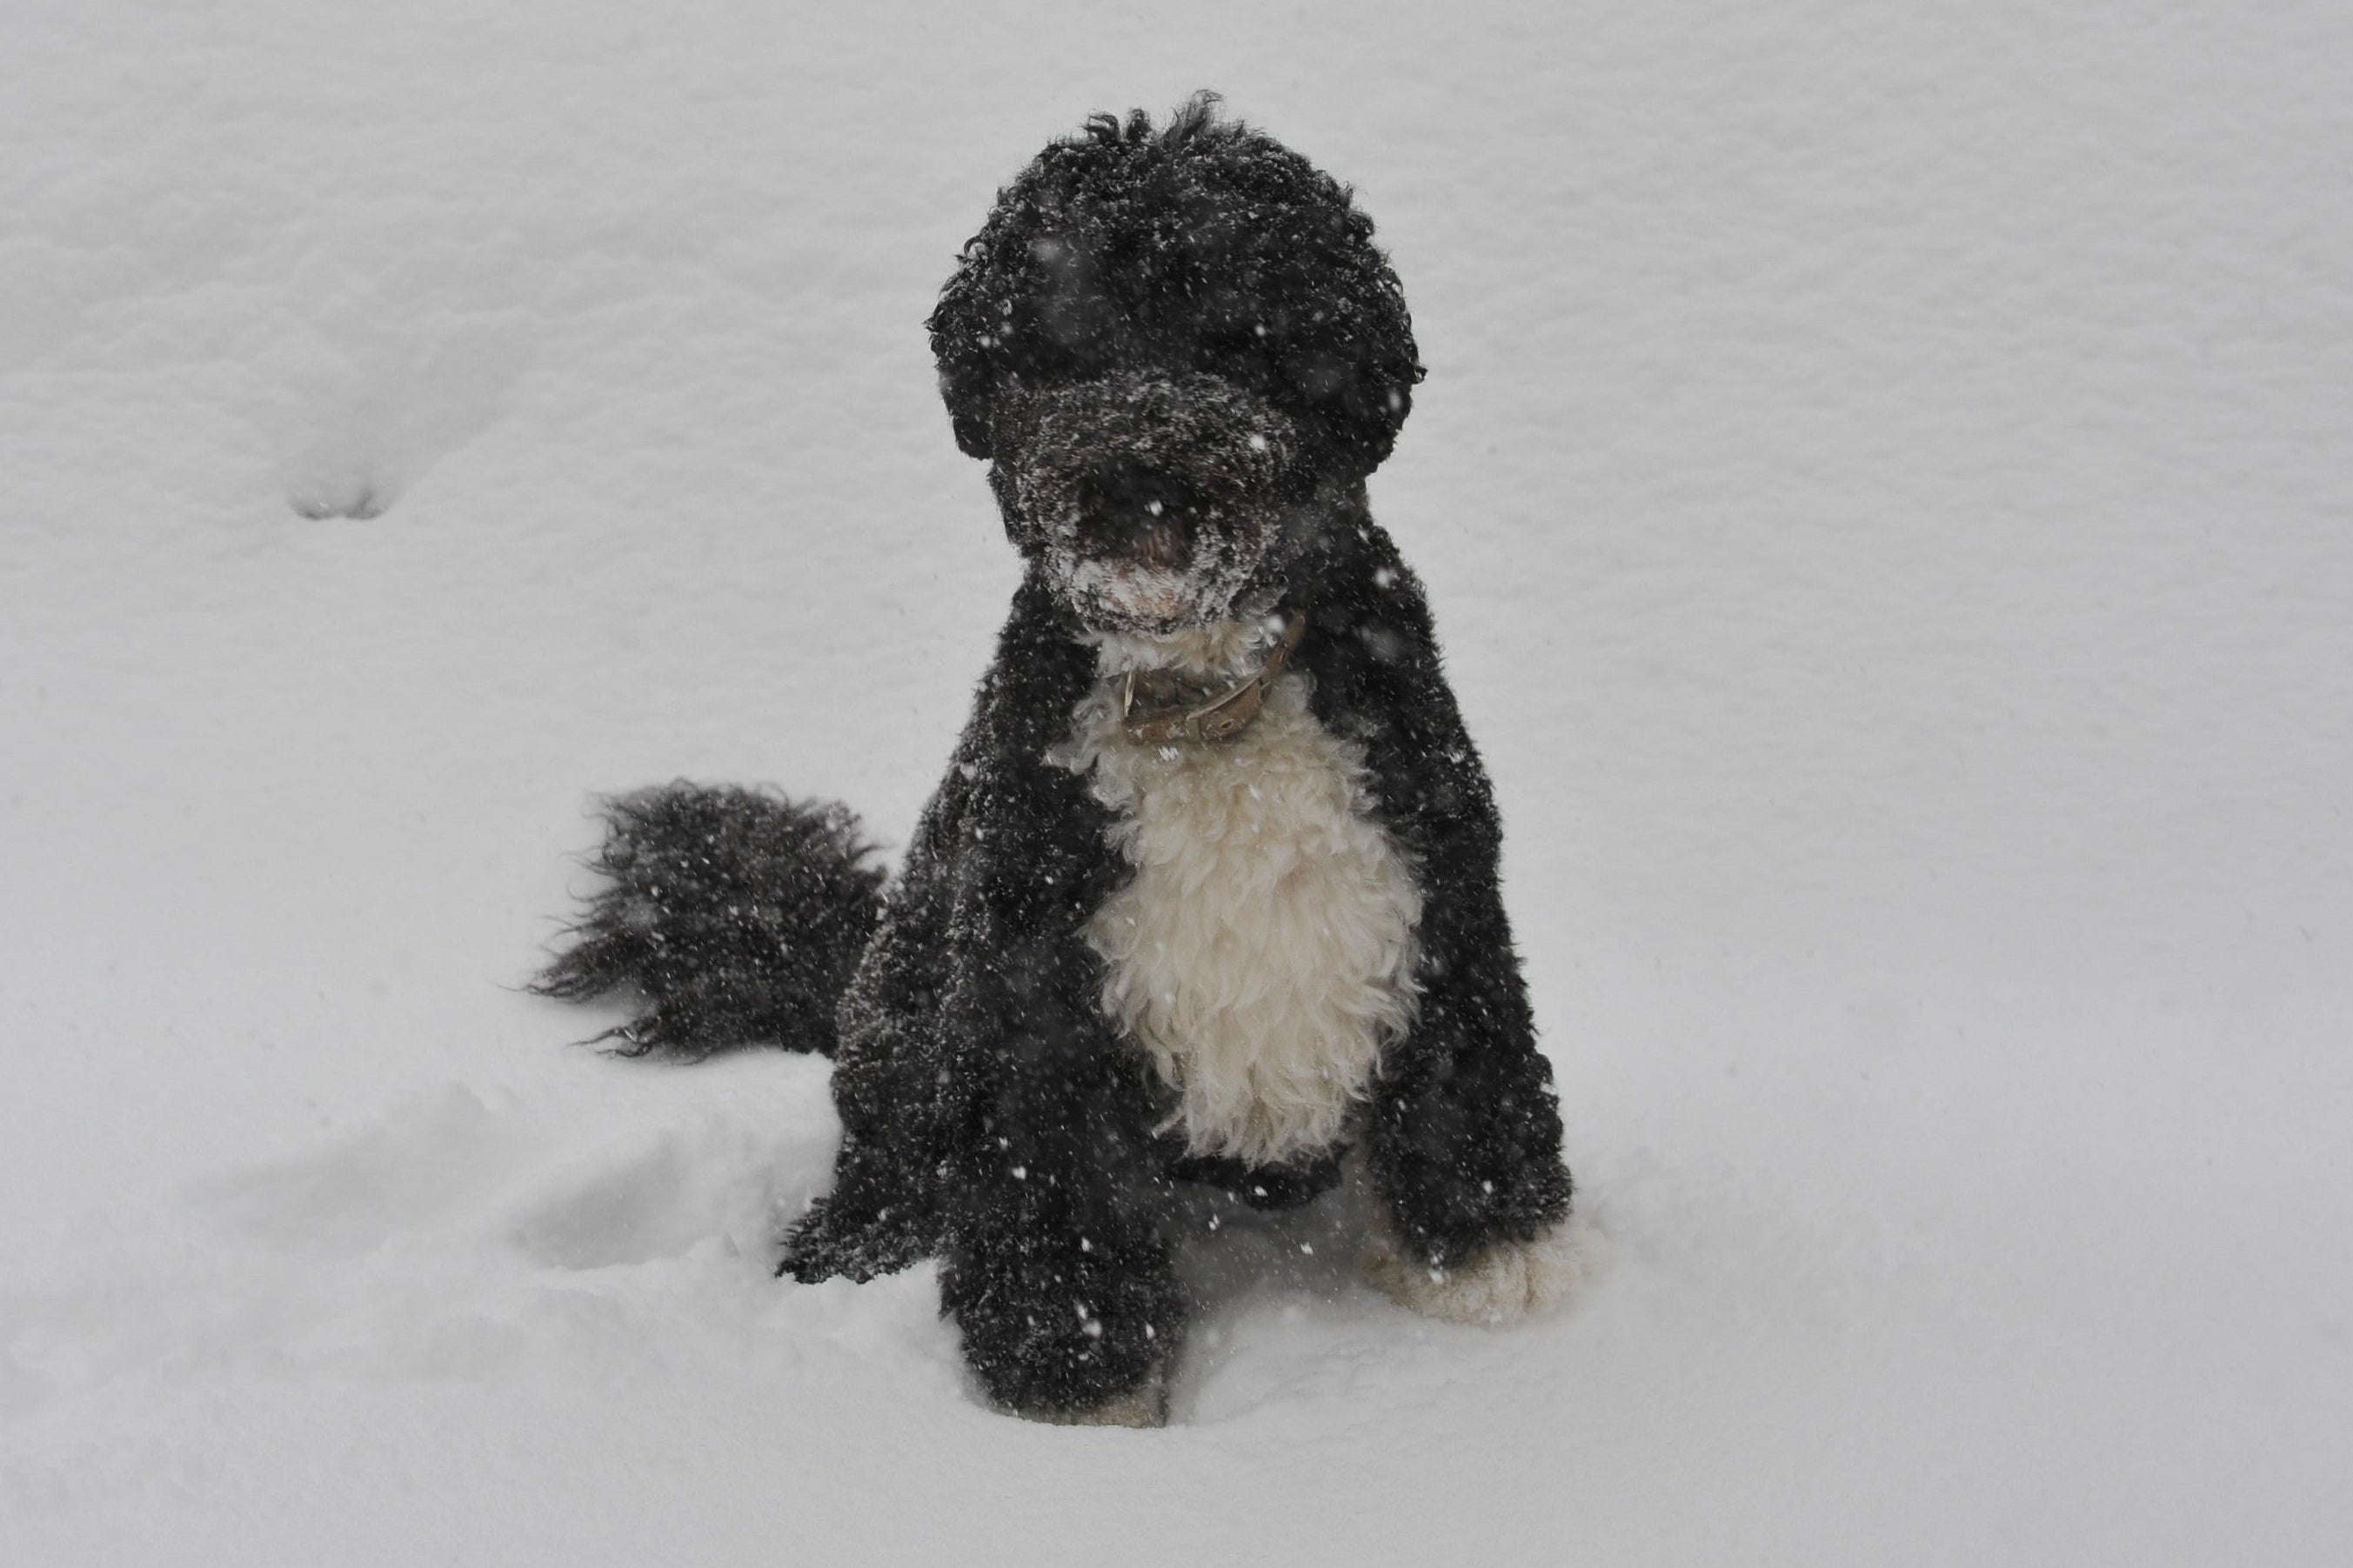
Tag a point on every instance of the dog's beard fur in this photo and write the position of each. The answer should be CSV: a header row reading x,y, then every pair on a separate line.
x,y
1118,568
1121,595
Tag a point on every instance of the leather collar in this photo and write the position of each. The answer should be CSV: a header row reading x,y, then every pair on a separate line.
x,y
1212,717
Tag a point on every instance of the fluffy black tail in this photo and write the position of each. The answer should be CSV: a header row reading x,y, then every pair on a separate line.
x,y
735,916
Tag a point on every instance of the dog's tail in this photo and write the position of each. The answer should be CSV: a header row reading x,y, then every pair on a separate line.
x,y
735,917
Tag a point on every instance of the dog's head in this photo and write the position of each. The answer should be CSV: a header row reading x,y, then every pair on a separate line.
x,y
1176,347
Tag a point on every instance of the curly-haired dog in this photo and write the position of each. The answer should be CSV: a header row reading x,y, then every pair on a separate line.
x,y
1209,891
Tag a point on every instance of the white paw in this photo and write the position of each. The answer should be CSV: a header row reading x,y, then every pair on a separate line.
x,y
1146,1405
1503,1284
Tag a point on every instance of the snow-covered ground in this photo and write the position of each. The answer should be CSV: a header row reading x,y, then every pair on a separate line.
x,y
1886,477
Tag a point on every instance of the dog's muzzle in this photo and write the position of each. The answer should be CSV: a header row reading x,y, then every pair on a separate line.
x,y
1154,498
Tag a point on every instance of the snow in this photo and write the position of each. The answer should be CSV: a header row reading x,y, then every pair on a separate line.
x,y
1884,481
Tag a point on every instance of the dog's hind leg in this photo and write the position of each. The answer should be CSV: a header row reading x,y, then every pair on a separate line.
x,y
883,1213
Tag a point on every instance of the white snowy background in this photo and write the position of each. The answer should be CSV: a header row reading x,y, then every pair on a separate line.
x,y
1886,479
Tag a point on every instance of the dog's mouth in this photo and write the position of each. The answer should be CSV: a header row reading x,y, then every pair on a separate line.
x,y
1122,596
1144,590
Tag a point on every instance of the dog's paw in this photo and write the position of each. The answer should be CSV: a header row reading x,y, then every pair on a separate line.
x,y
1501,1284
1144,1405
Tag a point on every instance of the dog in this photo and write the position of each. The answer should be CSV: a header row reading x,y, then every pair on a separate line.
x,y
1209,892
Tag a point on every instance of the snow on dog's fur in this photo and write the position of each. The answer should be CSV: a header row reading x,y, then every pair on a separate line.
x,y
1127,952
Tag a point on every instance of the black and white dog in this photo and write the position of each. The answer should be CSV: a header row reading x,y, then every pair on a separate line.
x,y
1209,891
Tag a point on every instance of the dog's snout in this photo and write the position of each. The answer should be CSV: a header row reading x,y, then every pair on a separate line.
x,y
1158,499
1131,511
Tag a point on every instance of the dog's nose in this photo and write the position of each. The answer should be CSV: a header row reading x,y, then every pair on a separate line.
x,y
1130,511
1163,539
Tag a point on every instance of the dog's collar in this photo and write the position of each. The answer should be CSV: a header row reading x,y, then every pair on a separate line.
x,y
1212,717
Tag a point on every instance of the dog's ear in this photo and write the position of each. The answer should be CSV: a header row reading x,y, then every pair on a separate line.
x,y
1334,340
968,384
1018,528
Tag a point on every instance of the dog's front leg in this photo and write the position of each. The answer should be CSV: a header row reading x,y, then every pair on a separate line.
x,y
1471,1193
1051,1190
1464,1140
1465,1143
1058,1271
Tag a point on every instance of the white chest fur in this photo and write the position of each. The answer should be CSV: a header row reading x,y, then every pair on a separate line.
x,y
1263,951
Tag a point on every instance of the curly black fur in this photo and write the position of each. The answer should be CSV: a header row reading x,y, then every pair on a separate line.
x,y
737,917
1206,246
